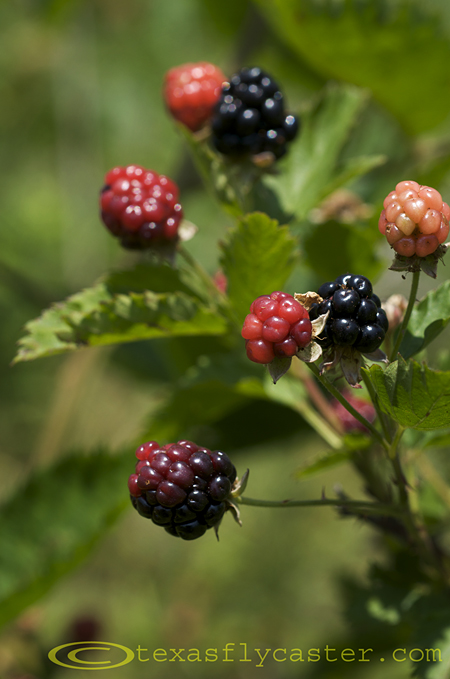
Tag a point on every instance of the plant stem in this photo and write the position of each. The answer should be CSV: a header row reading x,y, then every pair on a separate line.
x,y
376,405
203,275
316,396
337,395
369,507
406,317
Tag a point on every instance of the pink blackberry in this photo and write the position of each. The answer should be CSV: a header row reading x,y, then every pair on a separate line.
x,y
277,325
415,220
140,207
181,486
191,91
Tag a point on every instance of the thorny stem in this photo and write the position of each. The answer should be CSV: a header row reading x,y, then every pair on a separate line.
x,y
376,405
409,308
337,395
367,507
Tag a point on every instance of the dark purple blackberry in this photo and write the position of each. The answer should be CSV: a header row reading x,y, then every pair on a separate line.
x,y
182,487
250,118
356,319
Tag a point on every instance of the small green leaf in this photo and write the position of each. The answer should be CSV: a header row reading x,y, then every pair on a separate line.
x,y
334,458
428,319
51,524
257,260
310,169
412,394
354,243
159,304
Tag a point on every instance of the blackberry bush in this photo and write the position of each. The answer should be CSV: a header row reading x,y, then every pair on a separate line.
x,y
191,91
181,486
250,117
140,207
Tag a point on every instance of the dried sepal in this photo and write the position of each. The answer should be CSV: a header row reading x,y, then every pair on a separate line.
x,y
240,485
310,354
426,264
307,299
187,230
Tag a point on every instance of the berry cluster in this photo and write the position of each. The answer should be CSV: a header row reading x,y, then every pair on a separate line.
x,y
277,325
415,220
191,91
356,318
140,207
181,487
250,118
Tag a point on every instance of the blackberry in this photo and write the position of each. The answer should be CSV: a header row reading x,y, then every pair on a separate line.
x,y
250,118
415,220
182,487
277,325
140,207
355,317
191,91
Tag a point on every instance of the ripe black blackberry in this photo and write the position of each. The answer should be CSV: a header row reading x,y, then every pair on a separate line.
x,y
250,118
182,487
356,318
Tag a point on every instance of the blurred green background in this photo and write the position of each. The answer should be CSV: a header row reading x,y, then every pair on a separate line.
x,y
80,85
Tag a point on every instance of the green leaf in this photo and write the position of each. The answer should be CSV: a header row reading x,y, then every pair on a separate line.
x,y
159,304
385,46
310,170
437,440
354,243
52,524
412,394
428,319
257,259
334,458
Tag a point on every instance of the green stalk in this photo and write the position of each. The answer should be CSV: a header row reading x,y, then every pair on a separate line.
x,y
409,308
376,405
337,395
367,507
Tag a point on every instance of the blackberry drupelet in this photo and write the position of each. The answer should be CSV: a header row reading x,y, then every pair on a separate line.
x,y
250,117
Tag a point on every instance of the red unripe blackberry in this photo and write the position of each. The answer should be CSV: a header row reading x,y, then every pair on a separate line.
x,y
181,486
191,91
277,325
415,220
140,207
